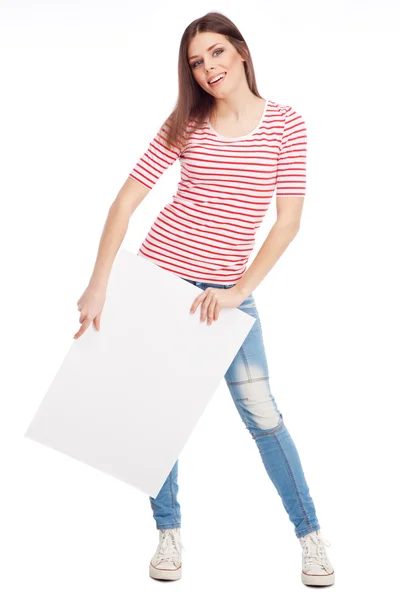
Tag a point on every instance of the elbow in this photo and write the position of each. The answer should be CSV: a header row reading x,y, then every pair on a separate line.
x,y
291,226
131,194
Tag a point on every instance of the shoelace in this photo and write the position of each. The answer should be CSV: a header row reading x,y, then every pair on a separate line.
x,y
170,546
314,551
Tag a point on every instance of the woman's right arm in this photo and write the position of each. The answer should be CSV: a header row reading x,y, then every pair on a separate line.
x,y
91,303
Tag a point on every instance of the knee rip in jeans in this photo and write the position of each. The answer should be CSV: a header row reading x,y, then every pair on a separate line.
x,y
258,402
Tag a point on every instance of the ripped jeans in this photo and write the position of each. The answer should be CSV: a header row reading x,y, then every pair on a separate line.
x,y
248,381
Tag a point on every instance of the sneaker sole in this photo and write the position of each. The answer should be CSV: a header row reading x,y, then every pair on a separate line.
x,y
166,574
328,579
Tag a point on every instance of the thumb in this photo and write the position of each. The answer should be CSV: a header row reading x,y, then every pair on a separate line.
x,y
96,321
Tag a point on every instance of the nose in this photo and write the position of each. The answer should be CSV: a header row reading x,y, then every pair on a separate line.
x,y
207,66
209,71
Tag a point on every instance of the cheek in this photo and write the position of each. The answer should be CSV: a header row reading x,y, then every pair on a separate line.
x,y
200,80
235,65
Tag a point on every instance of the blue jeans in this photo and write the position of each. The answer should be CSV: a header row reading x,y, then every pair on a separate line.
x,y
248,381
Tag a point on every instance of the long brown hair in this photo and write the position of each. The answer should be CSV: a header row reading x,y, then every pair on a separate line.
x,y
194,103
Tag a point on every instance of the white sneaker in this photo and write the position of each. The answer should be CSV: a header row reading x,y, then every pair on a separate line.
x,y
167,562
317,569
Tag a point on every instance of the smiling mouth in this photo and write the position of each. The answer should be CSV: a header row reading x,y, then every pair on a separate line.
x,y
220,80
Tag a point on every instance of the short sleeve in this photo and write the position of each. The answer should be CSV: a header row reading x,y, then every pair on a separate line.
x,y
156,159
291,169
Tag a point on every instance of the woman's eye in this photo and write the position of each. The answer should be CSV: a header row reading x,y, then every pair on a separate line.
x,y
197,61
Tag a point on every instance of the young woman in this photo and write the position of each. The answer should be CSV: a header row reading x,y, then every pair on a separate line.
x,y
235,148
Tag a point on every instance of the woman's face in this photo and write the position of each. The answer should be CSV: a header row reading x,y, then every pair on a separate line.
x,y
211,54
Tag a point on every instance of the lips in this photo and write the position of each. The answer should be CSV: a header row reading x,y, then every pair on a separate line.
x,y
219,80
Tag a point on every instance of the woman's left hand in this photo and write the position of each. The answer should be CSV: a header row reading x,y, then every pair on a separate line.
x,y
213,299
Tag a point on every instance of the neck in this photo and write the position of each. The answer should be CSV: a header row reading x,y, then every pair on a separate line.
x,y
237,105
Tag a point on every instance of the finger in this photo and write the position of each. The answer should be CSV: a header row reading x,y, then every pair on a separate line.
x,y
204,308
211,311
196,303
96,322
82,330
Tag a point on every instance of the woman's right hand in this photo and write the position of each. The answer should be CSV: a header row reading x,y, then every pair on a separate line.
x,y
90,305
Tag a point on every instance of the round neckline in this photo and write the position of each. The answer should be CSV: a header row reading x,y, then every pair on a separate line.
x,y
241,137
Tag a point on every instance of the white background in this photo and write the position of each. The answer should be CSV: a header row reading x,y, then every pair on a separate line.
x,y
84,88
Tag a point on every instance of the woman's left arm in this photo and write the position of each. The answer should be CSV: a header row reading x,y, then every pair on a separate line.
x,y
284,230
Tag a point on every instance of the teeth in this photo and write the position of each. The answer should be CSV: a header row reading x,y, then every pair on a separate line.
x,y
217,78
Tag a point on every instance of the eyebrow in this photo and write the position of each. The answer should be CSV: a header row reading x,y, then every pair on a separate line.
x,y
208,49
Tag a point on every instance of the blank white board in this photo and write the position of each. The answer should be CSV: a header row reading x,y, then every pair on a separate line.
x,y
126,398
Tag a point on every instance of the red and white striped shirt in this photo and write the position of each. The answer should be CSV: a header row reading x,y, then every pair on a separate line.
x,y
208,231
